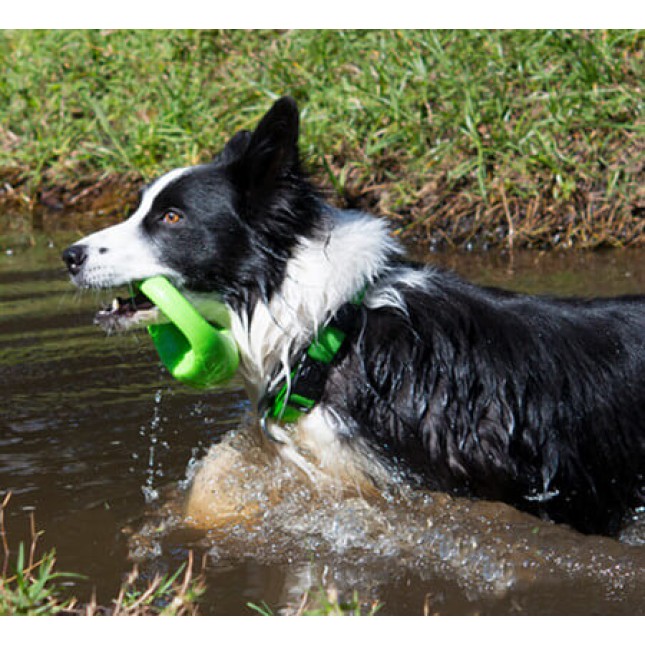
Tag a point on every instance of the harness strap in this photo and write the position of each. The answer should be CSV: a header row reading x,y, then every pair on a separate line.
x,y
291,398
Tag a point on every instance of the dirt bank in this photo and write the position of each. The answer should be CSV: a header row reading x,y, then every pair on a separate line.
x,y
440,215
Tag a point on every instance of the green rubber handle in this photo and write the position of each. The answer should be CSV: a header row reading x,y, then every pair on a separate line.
x,y
194,351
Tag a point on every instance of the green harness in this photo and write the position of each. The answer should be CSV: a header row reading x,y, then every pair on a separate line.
x,y
293,397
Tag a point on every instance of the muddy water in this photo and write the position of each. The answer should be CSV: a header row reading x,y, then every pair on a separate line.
x,y
100,444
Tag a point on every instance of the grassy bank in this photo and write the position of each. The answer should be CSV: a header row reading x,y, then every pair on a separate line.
x,y
520,138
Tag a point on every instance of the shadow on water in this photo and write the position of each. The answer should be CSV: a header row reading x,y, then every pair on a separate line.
x,y
100,444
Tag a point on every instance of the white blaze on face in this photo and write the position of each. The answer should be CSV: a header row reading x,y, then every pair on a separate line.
x,y
122,253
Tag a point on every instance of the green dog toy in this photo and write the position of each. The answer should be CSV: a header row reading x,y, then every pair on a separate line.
x,y
194,351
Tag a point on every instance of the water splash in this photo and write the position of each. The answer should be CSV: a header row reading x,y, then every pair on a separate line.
x,y
154,467
278,518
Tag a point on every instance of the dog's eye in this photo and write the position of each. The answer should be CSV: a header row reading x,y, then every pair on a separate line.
x,y
171,217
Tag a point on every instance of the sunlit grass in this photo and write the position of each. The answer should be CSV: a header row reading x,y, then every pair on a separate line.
x,y
528,137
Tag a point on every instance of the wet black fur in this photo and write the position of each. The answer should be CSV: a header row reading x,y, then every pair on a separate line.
x,y
539,402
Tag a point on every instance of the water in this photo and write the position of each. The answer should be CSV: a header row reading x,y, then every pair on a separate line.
x,y
101,446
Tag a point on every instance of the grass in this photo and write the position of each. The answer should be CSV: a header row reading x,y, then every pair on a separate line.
x,y
30,585
525,138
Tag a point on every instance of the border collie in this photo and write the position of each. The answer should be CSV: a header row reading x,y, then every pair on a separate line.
x,y
535,401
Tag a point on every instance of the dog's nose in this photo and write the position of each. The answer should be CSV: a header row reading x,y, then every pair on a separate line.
x,y
74,256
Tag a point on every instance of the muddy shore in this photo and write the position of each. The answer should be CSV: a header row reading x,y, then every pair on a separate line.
x,y
437,218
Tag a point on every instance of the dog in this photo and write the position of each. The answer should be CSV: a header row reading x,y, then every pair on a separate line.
x,y
428,379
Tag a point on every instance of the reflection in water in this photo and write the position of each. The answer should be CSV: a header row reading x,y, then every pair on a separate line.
x,y
102,445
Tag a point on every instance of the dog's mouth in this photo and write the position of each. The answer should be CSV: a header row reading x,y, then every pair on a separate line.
x,y
125,313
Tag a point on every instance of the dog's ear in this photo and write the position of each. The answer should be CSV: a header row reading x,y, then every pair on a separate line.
x,y
271,151
234,149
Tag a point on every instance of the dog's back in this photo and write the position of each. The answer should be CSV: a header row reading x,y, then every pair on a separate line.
x,y
538,402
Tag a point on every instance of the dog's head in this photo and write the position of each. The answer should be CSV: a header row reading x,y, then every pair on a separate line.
x,y
227,227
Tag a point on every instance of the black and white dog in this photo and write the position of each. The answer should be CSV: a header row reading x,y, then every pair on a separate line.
x,y
538,402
